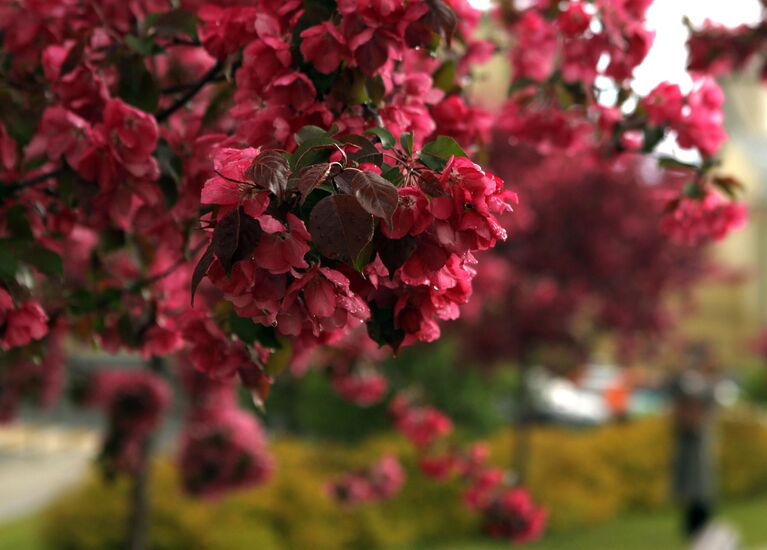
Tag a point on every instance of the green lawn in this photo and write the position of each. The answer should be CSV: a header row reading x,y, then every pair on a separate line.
x,y
21,534
655,531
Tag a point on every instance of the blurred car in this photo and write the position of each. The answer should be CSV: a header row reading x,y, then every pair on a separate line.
x,y
601,393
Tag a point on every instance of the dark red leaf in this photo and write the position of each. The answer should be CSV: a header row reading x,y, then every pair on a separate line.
x,y
429,184
310,177
440,19
395,252
418,35
340,227
367,151
235,237
270,170
371,55
250,234
344,179
226,237
201,269
375,194
73,58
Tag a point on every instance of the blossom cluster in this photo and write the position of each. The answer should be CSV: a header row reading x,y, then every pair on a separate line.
x,y
321,66
696,118
507,508
392,250
615,272
716,49
696,220
569,61
381,481
423,426
21,324
222,447
134,402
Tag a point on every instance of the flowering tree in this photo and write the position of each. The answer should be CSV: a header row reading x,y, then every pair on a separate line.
x,y
240,185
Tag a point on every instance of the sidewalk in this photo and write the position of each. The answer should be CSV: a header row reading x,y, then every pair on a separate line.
x,y
38,463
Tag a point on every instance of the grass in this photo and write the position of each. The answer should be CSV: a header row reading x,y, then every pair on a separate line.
x,y
21,534
653,531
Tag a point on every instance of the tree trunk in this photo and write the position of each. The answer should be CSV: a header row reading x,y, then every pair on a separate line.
x,y
138,518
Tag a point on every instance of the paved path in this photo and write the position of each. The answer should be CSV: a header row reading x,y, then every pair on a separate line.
x,y
38,463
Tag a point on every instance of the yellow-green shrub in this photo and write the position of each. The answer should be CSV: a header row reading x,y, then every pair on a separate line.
x,y
583,477
292,511
743,454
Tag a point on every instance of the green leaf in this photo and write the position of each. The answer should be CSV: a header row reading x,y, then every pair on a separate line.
x,y
311,132
406,142
365,256
178,21
17,223
312,151
141,45
375,88
671,162
693,191
436,153
81,301
652,137
520,84
393,174
386,137
137,86
279,360
357,93
171,167
444,147
8,261
44,260
444,78
250,332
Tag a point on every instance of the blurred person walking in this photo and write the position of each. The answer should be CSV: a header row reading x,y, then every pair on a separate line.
x,y
692,392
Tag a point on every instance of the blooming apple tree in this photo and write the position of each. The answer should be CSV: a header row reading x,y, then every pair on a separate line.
x,y
247,185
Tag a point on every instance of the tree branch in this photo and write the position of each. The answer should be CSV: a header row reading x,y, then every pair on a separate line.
x,y
163,114
10,188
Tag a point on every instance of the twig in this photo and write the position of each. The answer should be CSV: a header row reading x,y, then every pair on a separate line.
x,y
11,188
190,93
178,263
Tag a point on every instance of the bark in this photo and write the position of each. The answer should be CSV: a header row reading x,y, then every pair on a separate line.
x,y
138,518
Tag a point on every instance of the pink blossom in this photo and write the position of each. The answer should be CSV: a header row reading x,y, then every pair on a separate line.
x,y
281,248
22,325
323,46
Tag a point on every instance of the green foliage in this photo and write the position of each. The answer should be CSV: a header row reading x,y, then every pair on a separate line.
x,y
475,400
